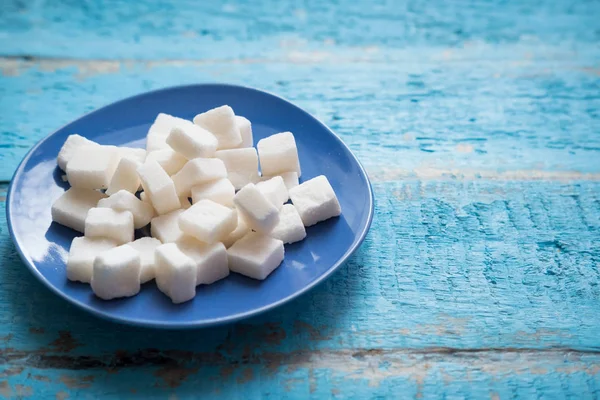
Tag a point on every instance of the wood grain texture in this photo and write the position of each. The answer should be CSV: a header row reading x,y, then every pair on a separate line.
x,y
488,123
478,122
461,288
186,29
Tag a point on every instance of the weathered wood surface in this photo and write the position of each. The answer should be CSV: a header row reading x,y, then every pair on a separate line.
x,y
479,124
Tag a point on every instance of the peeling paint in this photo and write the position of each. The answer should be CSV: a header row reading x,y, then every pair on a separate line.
x,y
23,391
62,395
5,390
430,173
464,148
41,378
64,343
77,382
16,370
173,376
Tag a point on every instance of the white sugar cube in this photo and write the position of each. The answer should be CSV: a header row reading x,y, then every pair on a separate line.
x,y
240,230
169,160
289,178
290,228
125,177
159,186
221,122
258,212
110,224
92,167
192,141
241,165
208,221
211,259
146,247
166,227
220,191
160,130
175,273
196,172
80,263
255,255
71,208
117,273
315,200
125,201
275,190
278,153
70,147
245,128
134,153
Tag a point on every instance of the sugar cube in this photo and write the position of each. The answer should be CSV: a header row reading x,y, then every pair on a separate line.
x,y
116,273
80,263
92,167
315,200
221,122
160,130
278,153
220,191
196,172
71,208
166,227
208,221
169,160
258,212
134,153
192,141
125,177
70,147
240,230
125,201
211,259
241,165
290,228
145,247
159,186
289,178
275,190
110,224
175,273
245,128
255,255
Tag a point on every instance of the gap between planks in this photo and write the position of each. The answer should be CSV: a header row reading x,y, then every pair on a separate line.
x,y
12,65
301,358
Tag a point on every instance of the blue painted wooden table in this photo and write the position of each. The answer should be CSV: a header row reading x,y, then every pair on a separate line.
x,y
479,124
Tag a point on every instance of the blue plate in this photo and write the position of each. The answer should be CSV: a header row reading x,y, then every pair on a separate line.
x,y
44,245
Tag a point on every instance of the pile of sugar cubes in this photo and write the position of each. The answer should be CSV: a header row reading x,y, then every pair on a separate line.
x,y
237,220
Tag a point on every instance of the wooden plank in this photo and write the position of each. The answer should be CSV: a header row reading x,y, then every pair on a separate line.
x,y
468,288
185,29
311,375
478,118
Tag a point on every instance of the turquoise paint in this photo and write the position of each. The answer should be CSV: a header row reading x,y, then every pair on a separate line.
x,y
187,29
458,282
489,122
478,123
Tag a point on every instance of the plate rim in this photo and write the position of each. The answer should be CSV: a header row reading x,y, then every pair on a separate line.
x,y
140,322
